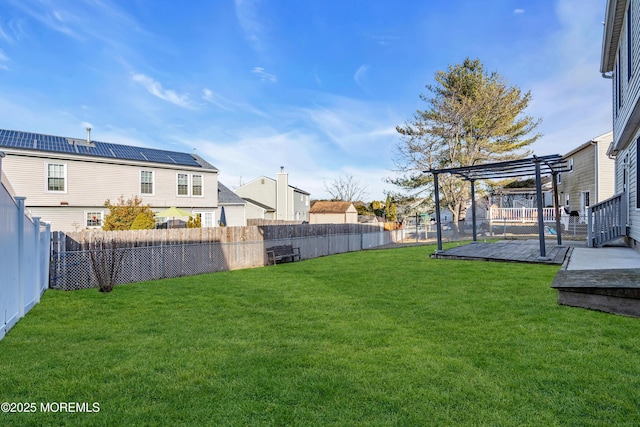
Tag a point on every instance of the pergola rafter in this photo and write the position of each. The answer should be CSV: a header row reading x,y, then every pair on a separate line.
x,y
533,166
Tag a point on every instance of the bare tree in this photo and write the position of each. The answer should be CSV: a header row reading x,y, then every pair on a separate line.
x,y
106,262
346,189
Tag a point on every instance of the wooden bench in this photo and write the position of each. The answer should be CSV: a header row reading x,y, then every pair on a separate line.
x,y
282,253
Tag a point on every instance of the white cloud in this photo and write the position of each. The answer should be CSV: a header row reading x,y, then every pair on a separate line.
x,y
360,75
3,59
229,105
156,89
248,17
264,76
573,101
518,11
262,151
215,99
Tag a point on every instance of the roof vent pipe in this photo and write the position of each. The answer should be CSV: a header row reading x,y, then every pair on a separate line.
x,y
88,136
281,169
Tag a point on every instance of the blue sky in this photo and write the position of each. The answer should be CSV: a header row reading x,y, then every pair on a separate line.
x,y
315,86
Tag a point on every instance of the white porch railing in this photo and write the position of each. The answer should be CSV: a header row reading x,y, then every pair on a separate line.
x,y
607,221
521,215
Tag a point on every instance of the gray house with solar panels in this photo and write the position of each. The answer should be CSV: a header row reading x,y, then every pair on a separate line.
x,y
67,180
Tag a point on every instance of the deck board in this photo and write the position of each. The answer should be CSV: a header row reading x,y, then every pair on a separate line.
x,y
507,251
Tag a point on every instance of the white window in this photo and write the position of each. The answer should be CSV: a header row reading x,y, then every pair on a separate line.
x,y
183,184
571,164
560,178
146,183
190,184
56,177
93,219
196,185
206,219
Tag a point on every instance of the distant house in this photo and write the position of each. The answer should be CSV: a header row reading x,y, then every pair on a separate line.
x,y
592,176
67,180
269,198
256,210
333,213
620,61
234,207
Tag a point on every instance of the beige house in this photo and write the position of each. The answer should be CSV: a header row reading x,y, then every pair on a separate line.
x,y
269,198
592,176
66,181
234,207
333,213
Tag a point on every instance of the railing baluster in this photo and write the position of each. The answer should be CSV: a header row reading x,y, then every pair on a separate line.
x,y
607,220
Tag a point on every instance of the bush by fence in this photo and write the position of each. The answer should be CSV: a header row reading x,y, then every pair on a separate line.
x,y
156,254
24,258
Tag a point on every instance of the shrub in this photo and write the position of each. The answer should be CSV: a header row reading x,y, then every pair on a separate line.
x,y
143,222
122,214
194,222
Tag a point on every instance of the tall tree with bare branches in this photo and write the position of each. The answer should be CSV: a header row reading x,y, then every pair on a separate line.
x,y
346,189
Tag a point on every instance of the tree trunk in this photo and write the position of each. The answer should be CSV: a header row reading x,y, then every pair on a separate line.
x,y
456,217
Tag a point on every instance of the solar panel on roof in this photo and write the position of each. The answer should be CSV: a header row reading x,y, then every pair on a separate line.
x,y
58,144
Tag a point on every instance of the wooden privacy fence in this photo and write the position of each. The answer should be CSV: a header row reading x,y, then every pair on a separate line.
x,y
157,254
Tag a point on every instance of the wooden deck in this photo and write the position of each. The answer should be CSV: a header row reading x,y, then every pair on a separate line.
x,y
507,251
612,291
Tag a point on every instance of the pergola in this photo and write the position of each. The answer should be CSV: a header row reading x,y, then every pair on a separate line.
x,y
533,166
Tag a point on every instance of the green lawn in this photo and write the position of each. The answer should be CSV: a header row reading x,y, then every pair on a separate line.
x,y
388,337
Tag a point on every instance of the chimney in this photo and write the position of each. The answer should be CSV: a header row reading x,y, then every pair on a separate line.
x,y
282,195
88,136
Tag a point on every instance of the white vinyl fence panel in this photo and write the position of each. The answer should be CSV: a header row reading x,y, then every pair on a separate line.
x,y
24,258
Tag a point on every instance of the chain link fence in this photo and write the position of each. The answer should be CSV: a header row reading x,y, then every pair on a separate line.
x,y
572,228
71,270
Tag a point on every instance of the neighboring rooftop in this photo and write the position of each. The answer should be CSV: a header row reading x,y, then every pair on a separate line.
x,y
228,197
260,205
330,207
90,148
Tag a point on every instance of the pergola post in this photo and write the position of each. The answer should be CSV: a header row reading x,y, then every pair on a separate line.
x,y
554,180
543,248
436,195
473,208
553,164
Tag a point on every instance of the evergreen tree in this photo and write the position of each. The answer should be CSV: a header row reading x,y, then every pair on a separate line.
x,y
472,117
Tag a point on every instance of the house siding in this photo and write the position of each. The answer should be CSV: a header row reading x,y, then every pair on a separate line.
x,y
289,203
235,215
334,218
262,190
626,103
90,182
630,154
580,179
626,98
300,206
605,171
